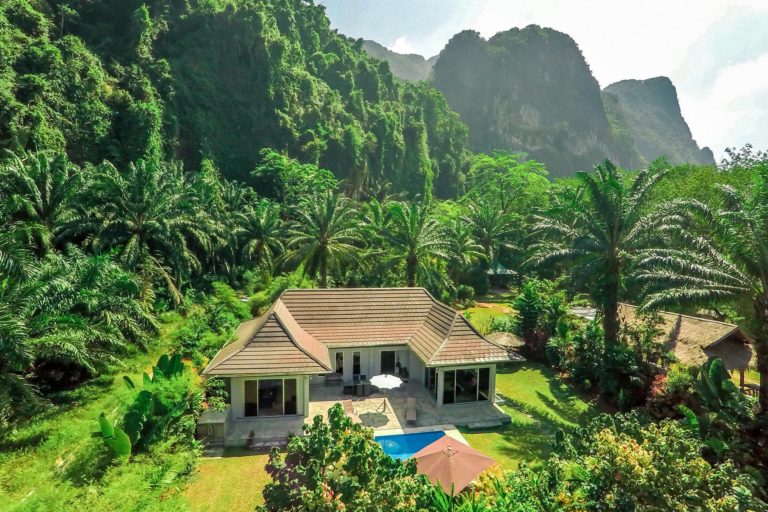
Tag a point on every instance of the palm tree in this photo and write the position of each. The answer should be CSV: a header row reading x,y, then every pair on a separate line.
x,y
717,255
415,238
261,233
94,309
15,267
604,238
149,214
464,250
493,229
42,191
326,234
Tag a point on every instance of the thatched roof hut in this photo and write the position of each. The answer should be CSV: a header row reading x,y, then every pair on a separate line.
x,y
693,340
506,339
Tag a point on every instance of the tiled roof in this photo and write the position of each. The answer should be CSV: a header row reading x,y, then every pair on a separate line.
x,y
271,344
312,320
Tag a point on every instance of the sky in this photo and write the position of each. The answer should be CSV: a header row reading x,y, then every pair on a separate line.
x,y
715,51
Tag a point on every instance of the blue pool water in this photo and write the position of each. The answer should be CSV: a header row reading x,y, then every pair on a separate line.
x,y
403,446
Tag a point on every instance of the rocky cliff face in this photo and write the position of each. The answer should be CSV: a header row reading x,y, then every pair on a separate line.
x,y
529,90
410,67
652,114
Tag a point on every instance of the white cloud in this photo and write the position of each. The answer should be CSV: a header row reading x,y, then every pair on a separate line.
x,y
402,45
719,115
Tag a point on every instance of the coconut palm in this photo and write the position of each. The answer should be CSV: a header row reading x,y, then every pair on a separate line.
x,y
716,255
492,229
325,235
42,189
149,214
604,239
416,239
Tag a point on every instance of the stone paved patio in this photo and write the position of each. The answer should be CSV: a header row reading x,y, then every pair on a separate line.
x,y
372,413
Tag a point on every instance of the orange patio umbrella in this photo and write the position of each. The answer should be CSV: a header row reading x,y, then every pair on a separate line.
x,y
448,462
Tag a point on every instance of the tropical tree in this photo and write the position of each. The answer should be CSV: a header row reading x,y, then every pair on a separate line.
x,y
605,238
493,229
150,216
325,234
42,190
16,357
716,255
337,465
463,249
261,233
416,239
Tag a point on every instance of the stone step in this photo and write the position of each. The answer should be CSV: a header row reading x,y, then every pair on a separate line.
x,y
482,425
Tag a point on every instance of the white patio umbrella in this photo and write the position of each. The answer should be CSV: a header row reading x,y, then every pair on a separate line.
x,y
386,382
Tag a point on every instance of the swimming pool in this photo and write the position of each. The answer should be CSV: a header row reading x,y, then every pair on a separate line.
x,y
403,446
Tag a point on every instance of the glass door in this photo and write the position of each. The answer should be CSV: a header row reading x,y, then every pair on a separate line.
x,y
388,362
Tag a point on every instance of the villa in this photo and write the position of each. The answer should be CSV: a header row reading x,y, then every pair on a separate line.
x,y
316,347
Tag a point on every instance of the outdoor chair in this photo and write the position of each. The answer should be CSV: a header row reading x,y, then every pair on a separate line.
x,y
410,411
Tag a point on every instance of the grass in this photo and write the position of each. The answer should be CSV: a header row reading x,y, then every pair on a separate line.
x,y
489,307
53,462
233,482
538,404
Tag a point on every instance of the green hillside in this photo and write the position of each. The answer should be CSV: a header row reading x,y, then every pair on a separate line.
x,y
120,79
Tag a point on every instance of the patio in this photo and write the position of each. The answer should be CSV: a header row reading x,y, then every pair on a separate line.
x,y
371,413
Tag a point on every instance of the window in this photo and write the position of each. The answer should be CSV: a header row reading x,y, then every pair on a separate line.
x,y
271,397
291,397
388,362
339,362
465,385
449,387
355,363
251,398
484,391
430,381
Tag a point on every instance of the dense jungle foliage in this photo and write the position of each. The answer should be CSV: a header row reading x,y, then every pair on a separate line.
x,y
122,80
172,167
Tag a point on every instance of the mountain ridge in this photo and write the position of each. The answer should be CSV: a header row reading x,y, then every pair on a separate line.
x,y
632,121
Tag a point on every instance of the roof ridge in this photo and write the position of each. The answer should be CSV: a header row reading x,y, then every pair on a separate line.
x,y
448,334
692,317
291,335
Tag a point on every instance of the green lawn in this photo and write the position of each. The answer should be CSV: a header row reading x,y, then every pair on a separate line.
x,y
487,308
538,403
53,463
233,482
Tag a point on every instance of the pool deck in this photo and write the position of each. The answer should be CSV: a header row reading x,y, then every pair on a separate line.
x,y
371,412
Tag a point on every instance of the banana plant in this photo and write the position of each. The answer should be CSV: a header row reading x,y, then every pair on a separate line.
x,y
146,419
114,437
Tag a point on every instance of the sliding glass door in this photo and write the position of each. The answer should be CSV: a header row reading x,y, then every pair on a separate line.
x,y
270,397
466,385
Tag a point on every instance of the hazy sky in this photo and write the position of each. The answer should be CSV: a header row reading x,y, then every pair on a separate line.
x,y
715,51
